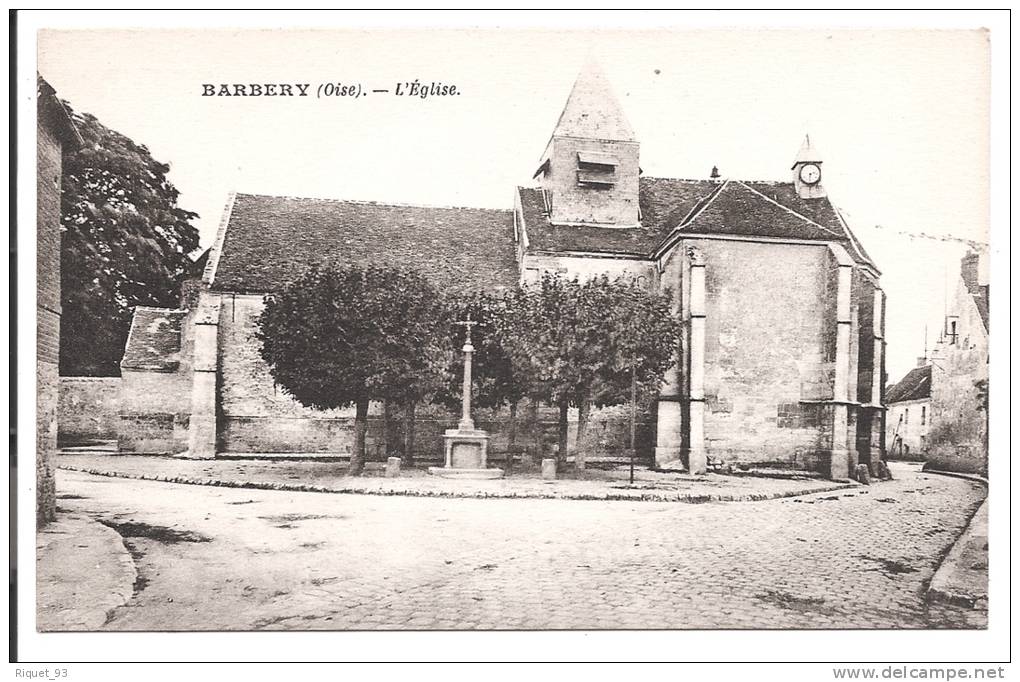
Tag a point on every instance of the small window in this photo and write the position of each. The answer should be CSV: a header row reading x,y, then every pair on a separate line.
x,y
924,414
906,416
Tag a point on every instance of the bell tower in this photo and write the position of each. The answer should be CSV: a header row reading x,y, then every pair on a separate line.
x,y
807,172
589,169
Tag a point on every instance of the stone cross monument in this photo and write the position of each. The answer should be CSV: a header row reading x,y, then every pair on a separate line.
x,y
467,448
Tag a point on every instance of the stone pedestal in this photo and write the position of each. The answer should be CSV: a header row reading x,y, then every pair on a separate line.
x,y
392,467
467,452
549,469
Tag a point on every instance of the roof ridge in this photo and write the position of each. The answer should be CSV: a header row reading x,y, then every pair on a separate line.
x,y
790,210
366,202
851,237
702,204
689,180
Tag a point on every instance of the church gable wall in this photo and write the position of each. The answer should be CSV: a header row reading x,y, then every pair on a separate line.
x,y
768,355
257,415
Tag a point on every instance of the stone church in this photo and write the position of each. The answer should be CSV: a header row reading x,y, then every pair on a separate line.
x,y
782,356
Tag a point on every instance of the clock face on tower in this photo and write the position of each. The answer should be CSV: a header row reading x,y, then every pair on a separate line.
x,y
810,173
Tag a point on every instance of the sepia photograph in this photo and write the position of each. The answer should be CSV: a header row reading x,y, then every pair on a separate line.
x,y
512,329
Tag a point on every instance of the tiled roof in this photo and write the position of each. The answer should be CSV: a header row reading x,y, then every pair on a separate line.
x,y
664,203
764,209
154,342
915,386
271,240
53,112
741,209
969,272
981,301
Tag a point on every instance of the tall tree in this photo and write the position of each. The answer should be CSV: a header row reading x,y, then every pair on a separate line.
x,y
341,336
125,242
579,343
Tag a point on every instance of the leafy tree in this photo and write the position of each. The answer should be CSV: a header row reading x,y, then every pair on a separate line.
x,y
341,336
981,387
125,242
579,343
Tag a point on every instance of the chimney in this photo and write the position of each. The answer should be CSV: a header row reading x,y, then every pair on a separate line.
x,y
969,266
715,173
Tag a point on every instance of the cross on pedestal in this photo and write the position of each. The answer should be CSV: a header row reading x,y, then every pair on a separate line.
x,y
465,419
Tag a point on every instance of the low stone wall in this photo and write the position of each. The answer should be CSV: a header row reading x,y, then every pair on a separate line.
x,y
88,409
963,459
328,436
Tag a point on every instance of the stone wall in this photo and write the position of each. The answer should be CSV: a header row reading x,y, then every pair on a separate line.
x,y
48,176
89,409
585,268
768,352
155,411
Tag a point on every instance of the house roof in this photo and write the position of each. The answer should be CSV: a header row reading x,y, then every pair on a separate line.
x,y
916,385
270,240
154,341
980,297
53,112
807,153
671,206
663,201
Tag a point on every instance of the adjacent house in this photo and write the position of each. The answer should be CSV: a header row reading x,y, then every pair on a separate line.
x,y
56,134
958,437
909,413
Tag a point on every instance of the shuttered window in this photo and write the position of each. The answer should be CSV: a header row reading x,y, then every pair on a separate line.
x,y
596,169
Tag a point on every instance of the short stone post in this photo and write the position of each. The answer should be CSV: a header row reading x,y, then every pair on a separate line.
x,y
392,467
863,475
883,471
549,469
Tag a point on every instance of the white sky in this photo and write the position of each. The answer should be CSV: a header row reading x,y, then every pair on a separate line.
x,y
900,117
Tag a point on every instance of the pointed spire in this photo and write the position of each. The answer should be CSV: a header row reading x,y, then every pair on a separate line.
x,y
807,153
592,111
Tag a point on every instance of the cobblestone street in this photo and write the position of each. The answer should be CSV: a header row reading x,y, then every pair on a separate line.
x,y
226,559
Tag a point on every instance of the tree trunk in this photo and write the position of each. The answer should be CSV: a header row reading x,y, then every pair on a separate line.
x,y
360,427
511,438
561,455
583,412
534,432
391,440
407,457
